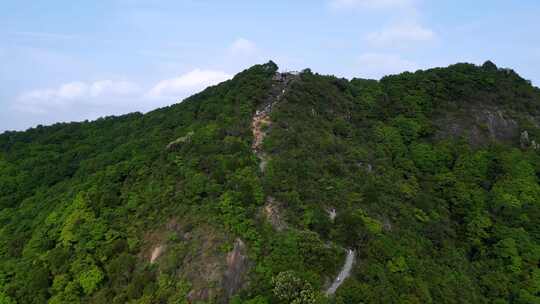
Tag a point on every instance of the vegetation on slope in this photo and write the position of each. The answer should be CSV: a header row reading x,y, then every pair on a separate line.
x,y
436,214
434,220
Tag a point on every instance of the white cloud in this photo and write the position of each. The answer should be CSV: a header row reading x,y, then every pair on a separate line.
x,y
370,4
376,65
187,84
400,35
105,97
242,46
72,90
99,88
75,94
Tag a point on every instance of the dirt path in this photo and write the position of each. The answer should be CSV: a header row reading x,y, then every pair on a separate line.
x,y
260,125
343,274
261,121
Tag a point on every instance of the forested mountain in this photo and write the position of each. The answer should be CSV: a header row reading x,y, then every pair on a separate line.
x,y
265,188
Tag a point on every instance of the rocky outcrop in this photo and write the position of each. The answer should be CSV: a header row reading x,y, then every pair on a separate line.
x,y
332,213
237,268
156,253
177,143
524,139
479,125
526,143
205,265
499,126
156,244
194,296
212,273
273,214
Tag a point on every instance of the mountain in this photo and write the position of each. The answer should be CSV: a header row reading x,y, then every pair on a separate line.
x,y
284,188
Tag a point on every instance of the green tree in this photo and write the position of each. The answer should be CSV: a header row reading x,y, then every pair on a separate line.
x,y
288,288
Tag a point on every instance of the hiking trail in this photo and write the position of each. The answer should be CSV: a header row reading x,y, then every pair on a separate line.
x,y
261,121
343,274
260,124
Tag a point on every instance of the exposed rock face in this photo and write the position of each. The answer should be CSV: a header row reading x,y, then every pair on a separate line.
x,y
180,141
205,266
332,213
196,295
156,253
273,214
237,267
156,241
479,125
526,143
524,139
499,127
260,123
261,120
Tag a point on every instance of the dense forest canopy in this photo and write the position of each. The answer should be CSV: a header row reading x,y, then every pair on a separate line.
x,y
433,177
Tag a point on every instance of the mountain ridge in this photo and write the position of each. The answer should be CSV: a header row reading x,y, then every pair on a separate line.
x,y
432,175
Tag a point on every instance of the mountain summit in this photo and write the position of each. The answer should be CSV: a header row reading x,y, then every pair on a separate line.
x,y
284,188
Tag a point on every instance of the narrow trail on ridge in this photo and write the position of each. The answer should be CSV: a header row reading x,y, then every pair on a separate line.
x,y
261,121
260,124
343,274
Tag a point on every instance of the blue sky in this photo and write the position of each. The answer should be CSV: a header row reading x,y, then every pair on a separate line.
x,y
74,60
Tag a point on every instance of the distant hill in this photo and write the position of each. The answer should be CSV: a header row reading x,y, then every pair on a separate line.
x,y
266,189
